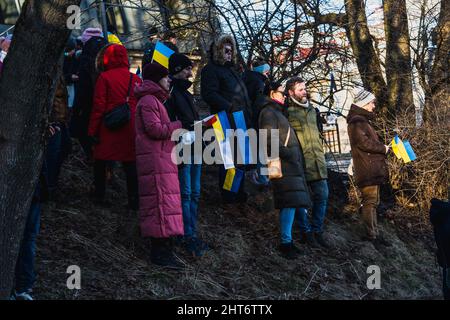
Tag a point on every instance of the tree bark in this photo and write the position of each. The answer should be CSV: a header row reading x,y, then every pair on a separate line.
x,y
26,91
398,58
439,93
367,60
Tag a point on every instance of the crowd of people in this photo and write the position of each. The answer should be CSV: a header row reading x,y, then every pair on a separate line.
x,y
97,88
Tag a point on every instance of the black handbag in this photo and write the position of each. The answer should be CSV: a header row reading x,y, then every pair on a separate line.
x,y
119,116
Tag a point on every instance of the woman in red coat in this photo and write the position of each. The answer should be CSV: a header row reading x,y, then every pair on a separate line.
x,y
161,216
114,84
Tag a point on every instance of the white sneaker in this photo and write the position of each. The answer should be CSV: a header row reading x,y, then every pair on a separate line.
x,y
23,296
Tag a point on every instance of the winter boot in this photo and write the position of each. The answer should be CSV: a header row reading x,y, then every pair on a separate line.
x,y
162,254
318,236
309,239
289,251
196,247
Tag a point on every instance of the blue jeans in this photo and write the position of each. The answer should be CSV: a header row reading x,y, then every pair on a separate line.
x,y
262,179
25,274
319,193
287,216
189,176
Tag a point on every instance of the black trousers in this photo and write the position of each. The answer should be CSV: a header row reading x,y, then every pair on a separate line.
x,y
131,177
445,287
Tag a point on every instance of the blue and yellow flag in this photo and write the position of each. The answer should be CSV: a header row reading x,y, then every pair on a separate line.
x,y
220,125
233,180
403,150
161,54
243,141
112,38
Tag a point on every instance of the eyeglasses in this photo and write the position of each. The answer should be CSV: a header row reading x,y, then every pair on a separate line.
x,y
280,92
228,50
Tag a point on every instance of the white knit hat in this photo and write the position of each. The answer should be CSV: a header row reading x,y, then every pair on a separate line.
x,y
362,97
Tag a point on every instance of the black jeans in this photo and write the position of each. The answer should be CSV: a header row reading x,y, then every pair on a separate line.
x,y
131,177
445,287
58,149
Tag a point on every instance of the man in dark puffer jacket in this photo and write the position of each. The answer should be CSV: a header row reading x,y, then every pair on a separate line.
x,y
223,90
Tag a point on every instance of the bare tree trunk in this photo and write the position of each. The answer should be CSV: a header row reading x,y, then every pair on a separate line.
x,y
26,92
398,58
439,93
367,60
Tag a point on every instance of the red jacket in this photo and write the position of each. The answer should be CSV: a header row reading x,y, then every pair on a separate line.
x,y
110,91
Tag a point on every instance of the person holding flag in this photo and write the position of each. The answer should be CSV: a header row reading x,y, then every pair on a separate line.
x,y
369,160
223,90
161,216
180,106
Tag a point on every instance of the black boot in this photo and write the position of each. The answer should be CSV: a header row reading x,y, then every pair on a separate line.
x,y
321,240
196,247
309,239
290,251
162,254
380,240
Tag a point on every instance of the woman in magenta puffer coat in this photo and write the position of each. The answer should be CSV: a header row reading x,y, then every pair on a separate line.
x,y
160,210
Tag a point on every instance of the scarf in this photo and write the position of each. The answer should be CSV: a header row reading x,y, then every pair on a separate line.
x,y
304,105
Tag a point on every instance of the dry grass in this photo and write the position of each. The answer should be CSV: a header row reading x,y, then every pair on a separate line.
x,y
244,262
417,182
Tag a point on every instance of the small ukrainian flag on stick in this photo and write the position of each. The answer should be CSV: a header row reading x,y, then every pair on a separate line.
x,y
233,180
161,54
403,150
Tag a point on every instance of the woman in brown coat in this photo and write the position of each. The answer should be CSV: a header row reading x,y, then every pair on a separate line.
x,y
369,158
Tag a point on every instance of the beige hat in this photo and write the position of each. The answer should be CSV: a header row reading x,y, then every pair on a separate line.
x,y
363,97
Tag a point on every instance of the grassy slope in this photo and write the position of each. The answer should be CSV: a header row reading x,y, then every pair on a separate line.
x,y
244,263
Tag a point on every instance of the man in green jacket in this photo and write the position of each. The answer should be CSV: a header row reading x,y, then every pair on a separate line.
x,y
303,118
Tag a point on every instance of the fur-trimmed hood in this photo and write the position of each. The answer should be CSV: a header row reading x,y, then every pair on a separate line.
x,y
216,49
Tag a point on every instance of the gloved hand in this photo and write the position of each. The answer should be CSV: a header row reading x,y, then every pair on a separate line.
x,y
188,138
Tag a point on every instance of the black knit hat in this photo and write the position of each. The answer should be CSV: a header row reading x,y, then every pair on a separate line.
x,y
154,72
272,86
178,62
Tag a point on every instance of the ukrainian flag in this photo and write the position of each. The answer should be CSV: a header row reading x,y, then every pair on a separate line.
x,y
243,141
233,180
220,125
112,38
161,54
403,150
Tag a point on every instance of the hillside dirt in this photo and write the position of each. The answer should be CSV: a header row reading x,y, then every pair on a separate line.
x,y
243,263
